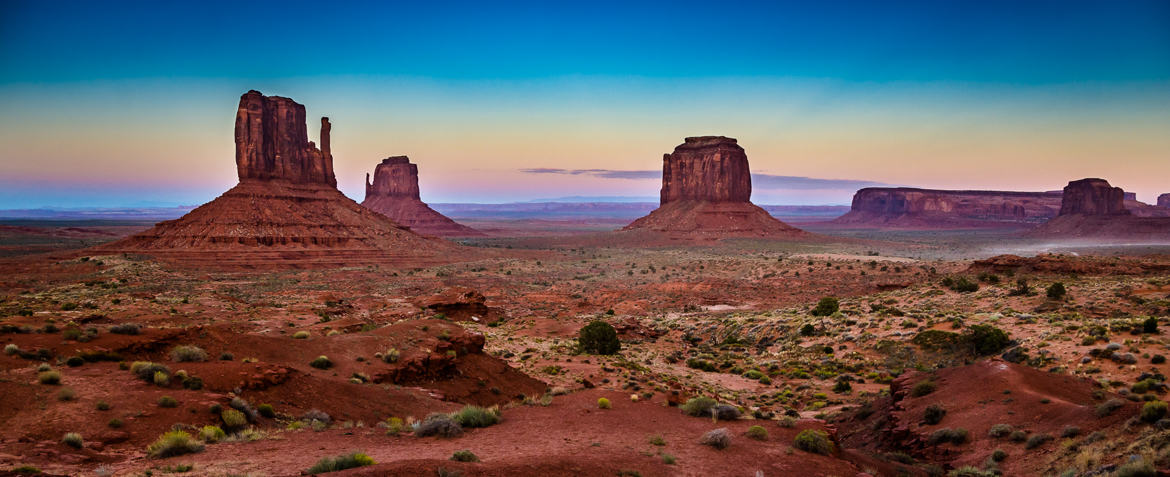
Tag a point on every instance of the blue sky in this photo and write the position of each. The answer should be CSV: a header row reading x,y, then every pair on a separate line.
x,y
953,94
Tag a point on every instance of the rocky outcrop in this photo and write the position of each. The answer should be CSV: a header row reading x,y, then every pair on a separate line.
x,y
1164,200
905,207
706,192
1093,209
286,212
272,142
394,193
707,168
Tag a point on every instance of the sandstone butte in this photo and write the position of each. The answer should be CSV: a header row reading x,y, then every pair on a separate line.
x,y
706,191
286,210
394,193
1093,209
1164,200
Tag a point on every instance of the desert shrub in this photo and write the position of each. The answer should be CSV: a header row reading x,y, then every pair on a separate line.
x,y
934,414
193,383
145,370
937,340
598,337
717,438
1153,411
114,423
1018,436
391,355
301,335
826,306
212,434
173,443
475,416
1109,407
66,394
321,362
698,406
161,379
922,388
102,406
998,455
657,440
811,440
1139,467
971,471
74,361
438,425
233,419
188,353
11,349
961,285
986,339
73,440
1037,440
955,436
1070,431
167,401
842,387
603,403
1150,325
1158,359
807,330
266,410
126,329
49,377
725,412
669,459
464,456
341,462
758,433
1056,291
999,430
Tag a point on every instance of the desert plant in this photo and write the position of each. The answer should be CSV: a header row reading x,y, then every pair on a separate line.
x,y
114,423
603,403
266,410
986,339
955,436
1070,431
161,379
438,424
934,414
1153,411
758,433
74,361
173,443
341,462
698,406
233,419
1150,325
1037,440
464,456
167,401
321,362
1109,407
11,349
922,388
475,416
126,329
717,438
1056,291
826,306
66,394
999,430
1138,467
815,441
598,337
212,434
146,370
102,406
49,377
188,353
998,455
301,335
391,355
73,440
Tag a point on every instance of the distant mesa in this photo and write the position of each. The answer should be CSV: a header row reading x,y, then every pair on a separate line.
x,y
1092,208
1164,200
905,207
286,210
706,191
394,193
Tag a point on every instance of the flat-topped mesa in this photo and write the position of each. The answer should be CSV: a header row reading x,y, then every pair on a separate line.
x,y
706,168
1092,197
1164,200
395,176
272,142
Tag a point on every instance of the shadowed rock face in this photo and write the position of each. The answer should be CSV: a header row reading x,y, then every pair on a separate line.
x,y
272,142
707,168
1092,197
910,207
394,193
1164,200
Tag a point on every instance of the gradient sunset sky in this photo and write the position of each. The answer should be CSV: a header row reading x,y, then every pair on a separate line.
x,y
133,103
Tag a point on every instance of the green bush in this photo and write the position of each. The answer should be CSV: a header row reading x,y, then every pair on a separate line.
x,y
266,410
1056,291
955,436
301,335
934,414
1037,440
73,440
826,306
49,377
922,388
464,456
598,337
146,370
233,419
1109,407
999,430
391,355
173,443
212,434
758,433
1153,411
342,462
475,416
603,403
188,353
321,362
1150,325
998,455
986,339
167,401
698,406
811,440
717,438
961,285
1136,468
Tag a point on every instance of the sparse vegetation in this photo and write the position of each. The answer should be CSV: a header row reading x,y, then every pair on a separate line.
x,y
815,441
438,425
1153,411
758,433
188,353
73,440
475,416
464,456
598,337
826,306
603,403
173,443
321,362
717,438
342,462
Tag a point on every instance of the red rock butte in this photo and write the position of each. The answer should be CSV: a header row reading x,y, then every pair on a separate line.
x,y
905,207
706,192
286,210
1093,209
1164,200
394,193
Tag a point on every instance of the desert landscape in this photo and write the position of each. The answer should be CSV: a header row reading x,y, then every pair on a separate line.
x,y
283,328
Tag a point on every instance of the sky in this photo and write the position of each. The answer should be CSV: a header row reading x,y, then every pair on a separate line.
x,y
106,104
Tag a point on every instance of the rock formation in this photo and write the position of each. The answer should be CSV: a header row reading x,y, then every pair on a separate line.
x,y
904,207
1164,200
394,193
286,210
706,191
1091,208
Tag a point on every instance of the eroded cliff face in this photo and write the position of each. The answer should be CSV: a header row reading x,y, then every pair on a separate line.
x,y
1092,197
1164,200
394,193
1093,209
272,142
707,168
910,207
